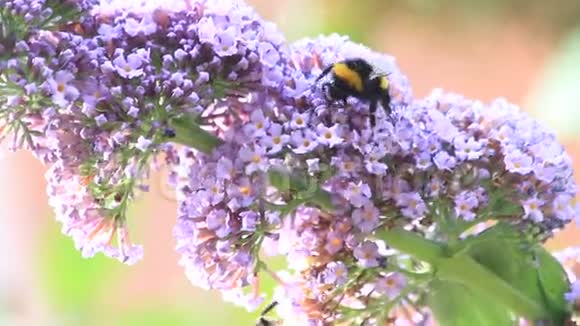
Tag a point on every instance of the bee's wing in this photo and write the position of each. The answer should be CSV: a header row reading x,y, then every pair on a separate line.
x,y
378,72
381,67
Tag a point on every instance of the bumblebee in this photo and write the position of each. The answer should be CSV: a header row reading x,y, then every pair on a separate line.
x,y
263,321
357,78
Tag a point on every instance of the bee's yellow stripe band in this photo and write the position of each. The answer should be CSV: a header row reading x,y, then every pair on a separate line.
x,y
351,77
384,83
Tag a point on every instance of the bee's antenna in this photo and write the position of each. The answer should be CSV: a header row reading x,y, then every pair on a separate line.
x,y
263,321
324,72
269,308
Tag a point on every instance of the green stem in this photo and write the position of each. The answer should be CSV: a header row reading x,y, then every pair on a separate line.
x,y
306,191
413,244
191,134
466,271
323,199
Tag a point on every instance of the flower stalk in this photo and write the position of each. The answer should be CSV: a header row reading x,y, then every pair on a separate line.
x,y
412,244
190,134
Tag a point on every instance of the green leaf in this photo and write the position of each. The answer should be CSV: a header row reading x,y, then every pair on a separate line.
x,y
295,183
412,244
554,284
279,179
500,250
291,206
454,304
464,270
527,267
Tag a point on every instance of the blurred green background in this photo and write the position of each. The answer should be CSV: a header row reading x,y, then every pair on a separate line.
x,y
525,50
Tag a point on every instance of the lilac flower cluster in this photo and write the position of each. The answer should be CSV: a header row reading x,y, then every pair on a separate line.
x,y
445,160
96,101
43,13
228,209
218,230
502,156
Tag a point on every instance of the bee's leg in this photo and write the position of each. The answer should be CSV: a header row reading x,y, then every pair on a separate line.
x,y
386,104
329,94
372,111
335,94
327,89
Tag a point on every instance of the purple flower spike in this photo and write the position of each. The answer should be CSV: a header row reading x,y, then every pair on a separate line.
x,y
442,156
85,221
119,76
